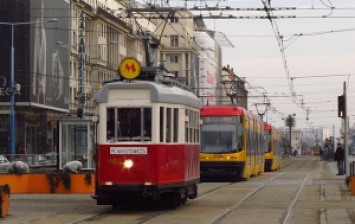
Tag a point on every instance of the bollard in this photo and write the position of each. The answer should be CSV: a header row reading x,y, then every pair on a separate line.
x,y
4,200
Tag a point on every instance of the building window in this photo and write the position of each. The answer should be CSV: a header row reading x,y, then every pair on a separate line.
x,y
75,38
75,69
174,58
174,41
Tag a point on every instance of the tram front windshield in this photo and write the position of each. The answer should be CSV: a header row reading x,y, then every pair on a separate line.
x,y
221,135
267,142
128,124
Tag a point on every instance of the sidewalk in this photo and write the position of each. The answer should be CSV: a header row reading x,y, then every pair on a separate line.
x,y
24,207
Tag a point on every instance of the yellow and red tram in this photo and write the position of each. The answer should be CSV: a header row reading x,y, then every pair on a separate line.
x,y
273,148
231,143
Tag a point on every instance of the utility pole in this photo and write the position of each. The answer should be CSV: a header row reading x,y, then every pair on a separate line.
x,y
345,120
82,97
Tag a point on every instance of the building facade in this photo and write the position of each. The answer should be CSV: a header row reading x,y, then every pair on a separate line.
x,y
60,66
41,72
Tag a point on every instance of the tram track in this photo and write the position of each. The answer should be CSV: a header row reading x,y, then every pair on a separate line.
x,y
150,217
284,219
205,194
144,215
240,202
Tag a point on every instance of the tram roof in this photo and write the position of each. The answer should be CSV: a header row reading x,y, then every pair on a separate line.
x,y
223,110
268,126
160,93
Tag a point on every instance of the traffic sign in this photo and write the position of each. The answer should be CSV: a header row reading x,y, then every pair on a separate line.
x,y
130,68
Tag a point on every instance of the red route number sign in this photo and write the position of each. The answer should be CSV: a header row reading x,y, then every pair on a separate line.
x,y
130,68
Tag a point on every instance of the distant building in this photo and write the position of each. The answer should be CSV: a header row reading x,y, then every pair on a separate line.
x,y
296,139
232,89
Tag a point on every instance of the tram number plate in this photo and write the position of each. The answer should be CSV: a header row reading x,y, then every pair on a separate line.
x,y
128,151
217,156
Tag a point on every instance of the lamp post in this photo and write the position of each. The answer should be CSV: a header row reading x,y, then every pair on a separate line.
x,y
81,45
12,77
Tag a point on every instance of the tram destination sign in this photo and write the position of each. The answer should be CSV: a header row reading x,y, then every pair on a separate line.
x,y
129,151
219,119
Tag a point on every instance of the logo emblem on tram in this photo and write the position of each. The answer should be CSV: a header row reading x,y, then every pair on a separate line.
x,y
130,68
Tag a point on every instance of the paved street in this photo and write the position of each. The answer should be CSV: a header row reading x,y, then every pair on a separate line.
x,y
306,190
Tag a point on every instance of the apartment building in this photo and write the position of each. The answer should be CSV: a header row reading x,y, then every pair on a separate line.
x,y
60,66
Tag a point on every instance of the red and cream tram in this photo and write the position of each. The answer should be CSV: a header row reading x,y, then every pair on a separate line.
x,y
231,143
147,143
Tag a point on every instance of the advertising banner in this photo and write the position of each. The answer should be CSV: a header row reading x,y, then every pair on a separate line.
x,y
41,68
49,62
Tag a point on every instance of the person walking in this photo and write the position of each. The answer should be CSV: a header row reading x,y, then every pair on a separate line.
x,y
339,157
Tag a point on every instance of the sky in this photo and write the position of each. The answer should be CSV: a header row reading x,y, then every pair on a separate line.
x,y
301,63
316,55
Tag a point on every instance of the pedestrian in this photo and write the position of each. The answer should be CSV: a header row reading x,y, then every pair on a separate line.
x,y
339,157
321,153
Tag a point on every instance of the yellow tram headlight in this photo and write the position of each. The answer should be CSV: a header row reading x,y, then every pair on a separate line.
x,y
204,158
128,164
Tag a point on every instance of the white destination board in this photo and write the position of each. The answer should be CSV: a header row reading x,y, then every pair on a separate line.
x,y
130,150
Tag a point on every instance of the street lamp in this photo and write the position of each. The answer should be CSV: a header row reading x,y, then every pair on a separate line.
x,y
82,74
12,77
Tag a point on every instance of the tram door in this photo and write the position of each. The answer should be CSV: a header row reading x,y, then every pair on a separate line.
x,y
75,143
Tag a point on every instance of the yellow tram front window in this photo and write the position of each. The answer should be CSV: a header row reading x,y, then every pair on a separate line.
x,y
267,142
221,135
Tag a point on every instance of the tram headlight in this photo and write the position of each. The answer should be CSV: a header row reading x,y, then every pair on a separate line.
x,y
128,164
204,158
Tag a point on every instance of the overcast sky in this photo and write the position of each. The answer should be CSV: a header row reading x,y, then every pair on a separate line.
x,y
316,50
320,41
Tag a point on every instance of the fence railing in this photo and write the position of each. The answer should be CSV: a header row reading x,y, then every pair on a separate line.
x,y
48,162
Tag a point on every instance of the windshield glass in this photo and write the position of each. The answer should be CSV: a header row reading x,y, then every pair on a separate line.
x,y
267,142
220,135
128,124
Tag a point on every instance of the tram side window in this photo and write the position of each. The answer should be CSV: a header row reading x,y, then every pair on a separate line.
x,y
161,115
110,124
186,126
147,123
249,140
240,132
176,124
187,130
190,124
168,125
192,132
196,123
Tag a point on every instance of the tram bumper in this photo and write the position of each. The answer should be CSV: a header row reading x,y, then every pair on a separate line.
x,y
124,194
221,169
